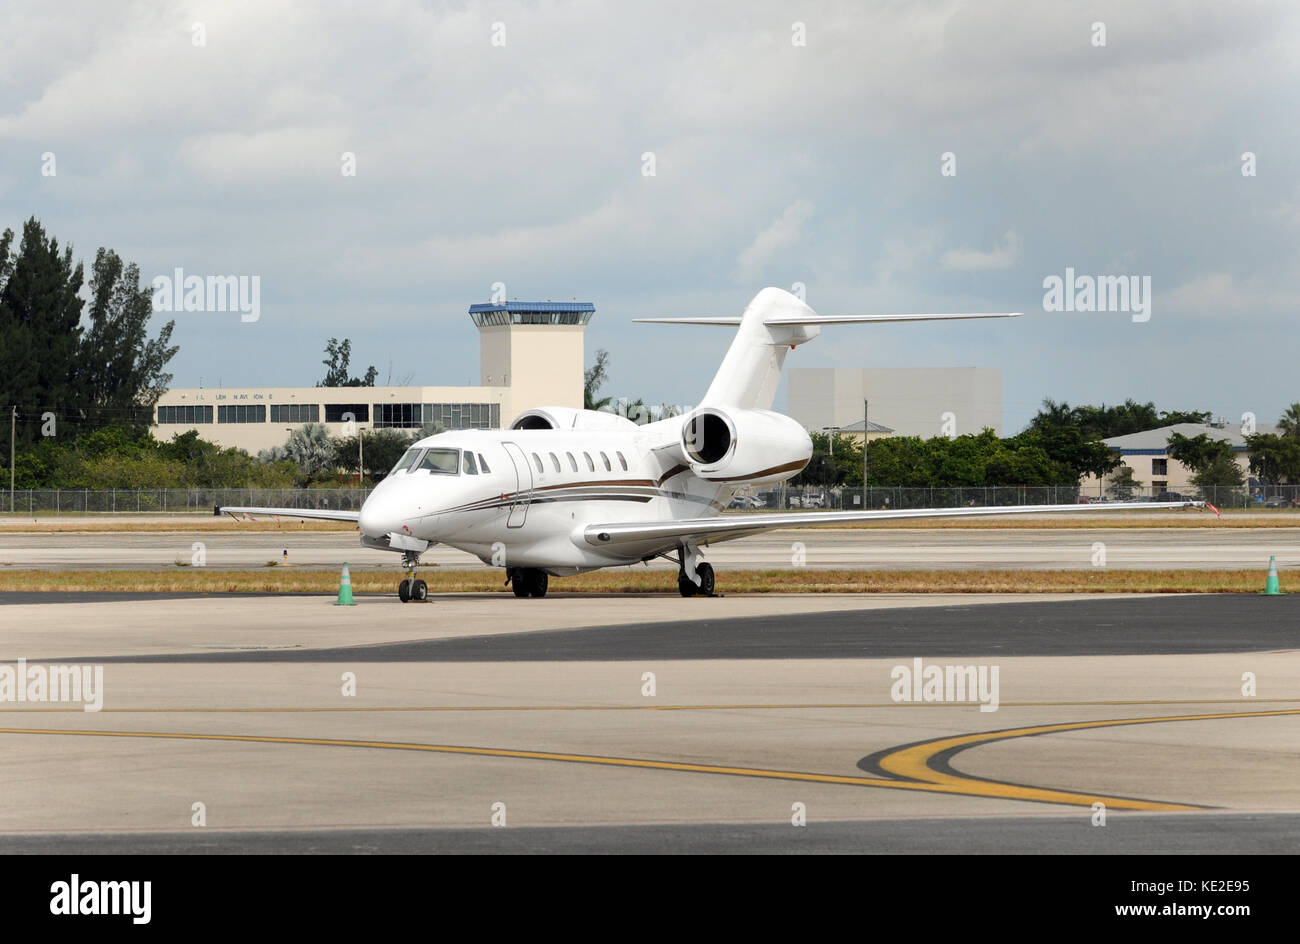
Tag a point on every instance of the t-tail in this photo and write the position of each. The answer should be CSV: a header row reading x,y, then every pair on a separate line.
x,y
774,323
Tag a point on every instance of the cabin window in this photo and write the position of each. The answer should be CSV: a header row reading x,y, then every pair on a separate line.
x,y
440,461
605,459
482,464
621,460
555,462
591,466
572,461
538,462
469,466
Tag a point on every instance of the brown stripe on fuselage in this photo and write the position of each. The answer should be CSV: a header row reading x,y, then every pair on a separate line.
x,y
762,474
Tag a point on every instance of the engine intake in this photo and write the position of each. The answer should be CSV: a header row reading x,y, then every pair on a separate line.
x,y
744,446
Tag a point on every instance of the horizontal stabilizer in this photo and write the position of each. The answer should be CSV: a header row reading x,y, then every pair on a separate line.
x,y
834,319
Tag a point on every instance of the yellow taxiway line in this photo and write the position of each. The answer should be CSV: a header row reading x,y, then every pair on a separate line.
x,y
913,762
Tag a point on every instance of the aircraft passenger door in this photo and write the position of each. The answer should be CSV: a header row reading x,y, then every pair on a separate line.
x,y
524,489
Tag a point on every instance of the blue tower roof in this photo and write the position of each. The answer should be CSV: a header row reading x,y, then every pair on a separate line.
x,y
538,313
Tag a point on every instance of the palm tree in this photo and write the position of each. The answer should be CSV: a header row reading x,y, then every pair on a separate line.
x,y
1289,424
310,447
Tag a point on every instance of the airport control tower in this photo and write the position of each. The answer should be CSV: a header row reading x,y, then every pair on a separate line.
x,y
535,349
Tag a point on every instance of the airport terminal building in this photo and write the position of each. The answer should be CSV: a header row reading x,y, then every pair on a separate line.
x,y
530,354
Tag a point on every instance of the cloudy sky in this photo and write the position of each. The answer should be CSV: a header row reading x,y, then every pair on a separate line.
x,y
504,142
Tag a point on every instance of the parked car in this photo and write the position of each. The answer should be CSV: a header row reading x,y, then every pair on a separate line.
x,y
1279,501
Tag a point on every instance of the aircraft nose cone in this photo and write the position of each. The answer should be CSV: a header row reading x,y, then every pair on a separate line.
x,y
379,516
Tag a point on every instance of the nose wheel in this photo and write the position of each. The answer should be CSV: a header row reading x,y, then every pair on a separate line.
x,y
412,588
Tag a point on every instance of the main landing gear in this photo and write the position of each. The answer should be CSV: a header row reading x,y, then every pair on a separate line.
x,y
411,588
691,566
527,581
686,586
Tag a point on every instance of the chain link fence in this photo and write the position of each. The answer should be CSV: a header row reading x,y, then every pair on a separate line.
x,y
82,501
783,498
201,500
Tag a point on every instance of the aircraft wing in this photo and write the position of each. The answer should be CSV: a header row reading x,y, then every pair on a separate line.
x,y
725,527
316,514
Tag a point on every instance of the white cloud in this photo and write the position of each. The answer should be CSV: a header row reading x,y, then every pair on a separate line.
x,y
1003,256
783,233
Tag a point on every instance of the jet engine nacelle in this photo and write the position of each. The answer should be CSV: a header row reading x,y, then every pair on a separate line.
x,y
566,417
750,447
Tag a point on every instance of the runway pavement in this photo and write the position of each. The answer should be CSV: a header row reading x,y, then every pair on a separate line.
x,y
654,723
818,548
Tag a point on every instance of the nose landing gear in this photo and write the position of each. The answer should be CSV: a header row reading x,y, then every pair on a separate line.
x,y
411,588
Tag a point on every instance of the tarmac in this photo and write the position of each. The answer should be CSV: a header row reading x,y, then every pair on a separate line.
x,y
773,723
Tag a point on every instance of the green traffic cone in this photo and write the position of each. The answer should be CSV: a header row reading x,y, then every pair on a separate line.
x,y
345,588
1271,587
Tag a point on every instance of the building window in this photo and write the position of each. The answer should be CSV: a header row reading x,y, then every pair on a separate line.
x,y
1159,466
252,413
190,415
334,412
295,413
463,415
1159,488
399,415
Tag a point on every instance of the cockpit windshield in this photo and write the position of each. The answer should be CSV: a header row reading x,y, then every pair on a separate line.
x,y
406,461
441,461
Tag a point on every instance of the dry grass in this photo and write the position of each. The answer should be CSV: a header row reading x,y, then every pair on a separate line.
x,y
653,581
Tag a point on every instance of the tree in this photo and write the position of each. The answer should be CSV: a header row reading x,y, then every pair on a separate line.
x,y
1198,452
40,329
381,450
1289,424
1274,458
1219,471
1122,483
592,380
121,370
1105,422
105,372
309,447
338,355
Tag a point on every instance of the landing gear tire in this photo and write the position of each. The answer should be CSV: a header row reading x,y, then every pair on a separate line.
x,y
519,583
529,582
419,591
404,591
687,588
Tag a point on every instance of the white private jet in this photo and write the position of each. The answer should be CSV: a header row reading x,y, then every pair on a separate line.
x,y
563,491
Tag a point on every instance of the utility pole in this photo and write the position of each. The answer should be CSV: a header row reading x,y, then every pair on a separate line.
x,y
866,438
361,466
13,432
